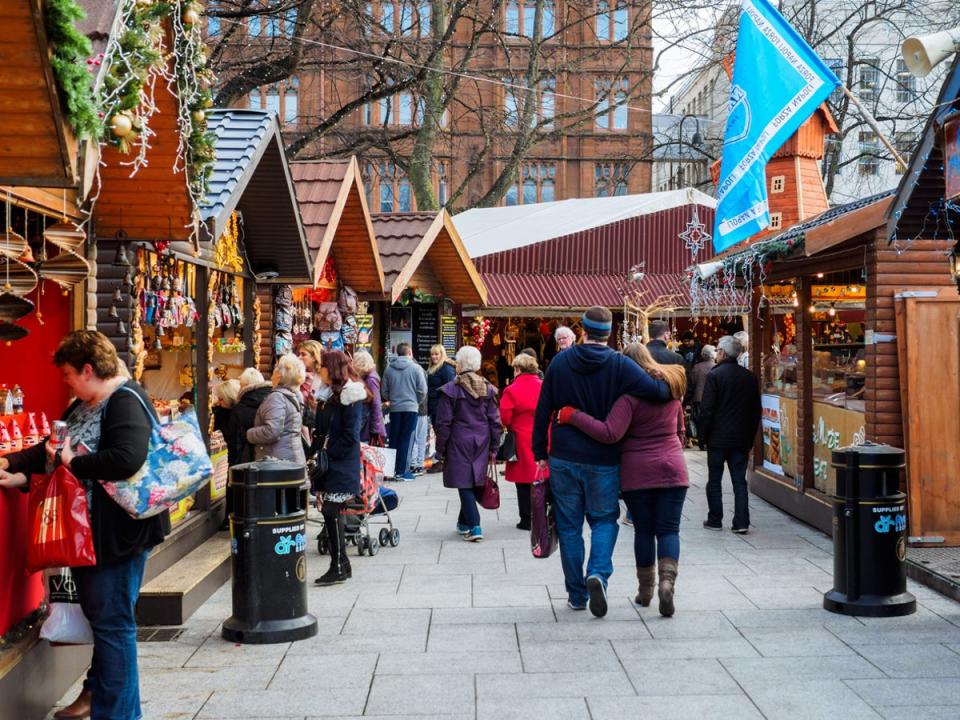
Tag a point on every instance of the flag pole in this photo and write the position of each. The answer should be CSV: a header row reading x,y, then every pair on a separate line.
x,y
872,122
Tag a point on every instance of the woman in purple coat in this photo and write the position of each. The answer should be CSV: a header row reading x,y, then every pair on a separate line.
x,y
653,474
468,435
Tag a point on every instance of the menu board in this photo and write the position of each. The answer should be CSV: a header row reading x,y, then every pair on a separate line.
x,y
770,425
426,332
448,334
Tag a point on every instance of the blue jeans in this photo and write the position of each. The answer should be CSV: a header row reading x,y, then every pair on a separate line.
x,y
590,491
418,447
656,522
402,427
736,460
108,595
469,513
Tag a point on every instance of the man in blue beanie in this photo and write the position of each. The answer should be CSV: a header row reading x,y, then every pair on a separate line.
x,y
584,473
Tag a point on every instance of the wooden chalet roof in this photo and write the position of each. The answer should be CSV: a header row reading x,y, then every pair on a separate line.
x,y
922,187
251,175
420,247
37,146
336,220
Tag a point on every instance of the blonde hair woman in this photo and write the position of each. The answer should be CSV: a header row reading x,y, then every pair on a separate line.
x,y
440,372
653,474
372,428
279,419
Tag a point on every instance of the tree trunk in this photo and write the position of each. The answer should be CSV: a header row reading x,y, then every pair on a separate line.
x,y
420,170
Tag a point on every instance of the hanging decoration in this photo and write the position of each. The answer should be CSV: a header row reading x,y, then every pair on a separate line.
x,y
477,332
226,250
695,237
69,267
136,64
19,278
70,49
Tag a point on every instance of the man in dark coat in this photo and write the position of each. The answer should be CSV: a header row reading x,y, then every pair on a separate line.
x,y
584,473
729,417
659,337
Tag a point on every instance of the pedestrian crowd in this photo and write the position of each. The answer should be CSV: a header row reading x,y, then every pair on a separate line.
x,y
597,427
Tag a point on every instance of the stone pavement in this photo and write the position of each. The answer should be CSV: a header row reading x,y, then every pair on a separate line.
x,y
440,628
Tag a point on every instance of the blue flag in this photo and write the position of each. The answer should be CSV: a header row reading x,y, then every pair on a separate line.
x,y
778,82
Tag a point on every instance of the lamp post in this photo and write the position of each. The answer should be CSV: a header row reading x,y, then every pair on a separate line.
x,y
696,141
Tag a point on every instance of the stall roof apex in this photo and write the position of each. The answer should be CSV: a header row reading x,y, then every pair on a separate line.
x,y
250,175
490,230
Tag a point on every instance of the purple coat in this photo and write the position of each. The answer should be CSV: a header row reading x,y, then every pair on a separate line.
x,y
372,423
651,454
468,430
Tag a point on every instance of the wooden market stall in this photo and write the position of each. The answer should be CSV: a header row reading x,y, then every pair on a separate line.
x,y
925,213
827,358
427,274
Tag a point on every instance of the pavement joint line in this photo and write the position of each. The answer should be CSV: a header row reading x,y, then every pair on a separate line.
x,y
426,644
624,668
739,685
589,711
202,706
373,676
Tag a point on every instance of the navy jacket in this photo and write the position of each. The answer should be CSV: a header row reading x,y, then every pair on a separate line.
x,y
436,380
730,408
664,355
591,378
338,425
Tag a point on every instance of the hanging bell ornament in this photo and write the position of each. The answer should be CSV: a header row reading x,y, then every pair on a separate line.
x,y
128,280
122,328
117,294
160,332
113,312
121,125
121,259
157,345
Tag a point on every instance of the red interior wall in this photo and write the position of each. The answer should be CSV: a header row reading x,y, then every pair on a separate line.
x,y
27,363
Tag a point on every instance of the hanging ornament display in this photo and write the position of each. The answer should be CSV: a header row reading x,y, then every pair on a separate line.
x,y
695,237
226,250
477,332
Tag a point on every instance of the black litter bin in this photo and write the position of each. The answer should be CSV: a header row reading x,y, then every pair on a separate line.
x,y
268,540
869,534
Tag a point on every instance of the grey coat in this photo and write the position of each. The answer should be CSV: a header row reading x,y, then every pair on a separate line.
x,y
404,385
276,429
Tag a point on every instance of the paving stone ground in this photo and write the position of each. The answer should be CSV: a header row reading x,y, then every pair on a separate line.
x,y
439,628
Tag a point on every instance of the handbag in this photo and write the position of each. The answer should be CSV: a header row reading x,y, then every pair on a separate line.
x,y
544,540
507,452
319,467
489,497
177,465
66,624
60,534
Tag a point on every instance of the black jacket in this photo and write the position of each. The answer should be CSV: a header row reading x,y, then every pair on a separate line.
x,y
242,418
122,450
662,354
338,428
730,408
436,380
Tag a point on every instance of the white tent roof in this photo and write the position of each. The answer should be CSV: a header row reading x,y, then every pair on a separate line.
x,y
490,230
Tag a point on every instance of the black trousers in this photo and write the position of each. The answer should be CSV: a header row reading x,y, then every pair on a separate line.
x,y
523,500
336,541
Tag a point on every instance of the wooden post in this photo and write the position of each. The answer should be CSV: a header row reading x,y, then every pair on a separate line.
x,y
202,377
759,345
249,331
805,384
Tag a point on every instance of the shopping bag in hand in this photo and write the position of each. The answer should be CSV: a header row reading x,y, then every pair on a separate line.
x,y
60,534
543,524
489,493
66,624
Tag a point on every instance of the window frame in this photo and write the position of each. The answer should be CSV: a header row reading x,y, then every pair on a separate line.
x,y
516,18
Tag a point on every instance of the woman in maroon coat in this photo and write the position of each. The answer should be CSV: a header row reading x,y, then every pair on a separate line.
x,y
517,407
468,435
653,474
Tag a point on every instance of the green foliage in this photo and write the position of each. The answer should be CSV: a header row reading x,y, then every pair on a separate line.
x,y
71,50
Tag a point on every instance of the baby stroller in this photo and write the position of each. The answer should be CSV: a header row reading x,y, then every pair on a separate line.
x,y
368,510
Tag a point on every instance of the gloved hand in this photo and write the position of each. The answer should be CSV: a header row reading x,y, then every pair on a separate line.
x,y
566,414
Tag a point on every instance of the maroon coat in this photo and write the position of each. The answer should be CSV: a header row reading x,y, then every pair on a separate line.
x,y
468,430
651,455
517,407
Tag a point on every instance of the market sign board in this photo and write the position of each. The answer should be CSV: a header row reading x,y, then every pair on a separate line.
x,y
951,158
770,425
833,428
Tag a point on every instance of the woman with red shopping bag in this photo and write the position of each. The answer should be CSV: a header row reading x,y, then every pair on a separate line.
x,y
107,438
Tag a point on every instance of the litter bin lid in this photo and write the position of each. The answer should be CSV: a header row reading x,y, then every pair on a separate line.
x,y
870,454
268,470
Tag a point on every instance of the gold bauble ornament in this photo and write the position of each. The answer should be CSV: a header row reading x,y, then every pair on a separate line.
x,y
198,116
208,103
191,17
143,4
121,125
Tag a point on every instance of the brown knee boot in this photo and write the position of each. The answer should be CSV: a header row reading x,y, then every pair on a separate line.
x,y
647,577
668,576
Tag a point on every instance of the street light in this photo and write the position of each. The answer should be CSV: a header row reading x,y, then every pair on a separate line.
x,y
696,141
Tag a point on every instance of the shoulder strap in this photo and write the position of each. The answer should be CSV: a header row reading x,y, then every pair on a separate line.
x,y
150,416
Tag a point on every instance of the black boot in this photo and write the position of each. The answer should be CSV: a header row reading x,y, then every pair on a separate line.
x,y
340,570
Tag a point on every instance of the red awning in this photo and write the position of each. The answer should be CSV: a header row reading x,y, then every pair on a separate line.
x,y
577,291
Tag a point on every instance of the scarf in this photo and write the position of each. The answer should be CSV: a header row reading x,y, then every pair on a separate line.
x,y
474,385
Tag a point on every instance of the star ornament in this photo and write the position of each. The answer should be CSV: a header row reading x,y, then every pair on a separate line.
x,y
695,237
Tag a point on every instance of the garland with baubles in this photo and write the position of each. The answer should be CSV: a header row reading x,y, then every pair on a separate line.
x,y
70,49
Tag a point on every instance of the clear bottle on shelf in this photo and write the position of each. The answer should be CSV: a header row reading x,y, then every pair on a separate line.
x,y
17,399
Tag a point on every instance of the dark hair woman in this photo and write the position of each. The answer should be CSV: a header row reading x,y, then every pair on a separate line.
x,y
338,432
108,432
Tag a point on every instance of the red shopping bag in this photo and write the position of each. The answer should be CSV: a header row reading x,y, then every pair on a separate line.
x,y
60,534
489,492
543,525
